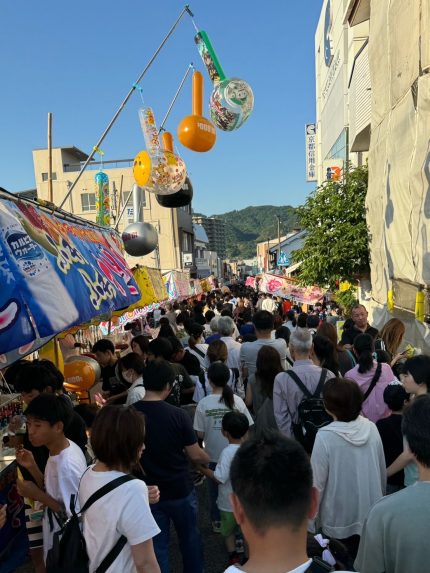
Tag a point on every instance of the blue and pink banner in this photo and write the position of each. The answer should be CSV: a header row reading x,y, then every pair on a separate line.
x,y
54,274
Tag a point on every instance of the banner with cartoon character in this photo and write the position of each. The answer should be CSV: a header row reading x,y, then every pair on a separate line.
x,y
288,288
55,273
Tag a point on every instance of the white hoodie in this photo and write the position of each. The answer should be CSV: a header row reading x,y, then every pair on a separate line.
x,y
348,464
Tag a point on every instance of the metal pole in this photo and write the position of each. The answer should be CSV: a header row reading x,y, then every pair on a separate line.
x,y
175,97
50,190
123,209
279,236
127,97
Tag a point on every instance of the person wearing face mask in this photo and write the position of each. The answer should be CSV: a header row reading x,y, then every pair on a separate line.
x,y
131,367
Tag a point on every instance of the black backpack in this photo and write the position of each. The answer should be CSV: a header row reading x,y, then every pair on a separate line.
x,y
311,412
69,553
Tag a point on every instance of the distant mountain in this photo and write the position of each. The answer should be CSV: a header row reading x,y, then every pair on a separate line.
x,y
249,226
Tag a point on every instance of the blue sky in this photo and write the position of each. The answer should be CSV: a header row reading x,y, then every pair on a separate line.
x,y
79,59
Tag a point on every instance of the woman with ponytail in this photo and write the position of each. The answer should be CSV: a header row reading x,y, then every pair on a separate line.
x,y
372,378
208,424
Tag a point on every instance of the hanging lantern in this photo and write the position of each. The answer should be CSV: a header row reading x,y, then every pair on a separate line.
x,y
195,131
102,199
181,198
232,100
175,164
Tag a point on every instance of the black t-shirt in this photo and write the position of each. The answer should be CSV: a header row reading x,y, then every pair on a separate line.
x,y
350,334
390,430
190,363
168,431
111,382
182,382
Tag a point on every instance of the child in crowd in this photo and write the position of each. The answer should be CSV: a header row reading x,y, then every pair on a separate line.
x,y
47,418
208,424
234,427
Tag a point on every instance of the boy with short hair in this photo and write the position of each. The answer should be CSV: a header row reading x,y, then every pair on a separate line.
x,y
235,427
47,418
272,500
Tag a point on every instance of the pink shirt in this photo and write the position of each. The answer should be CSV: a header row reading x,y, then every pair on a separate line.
x,y
374,408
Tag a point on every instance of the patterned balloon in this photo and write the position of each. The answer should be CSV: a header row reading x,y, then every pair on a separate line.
x,y
232,100
102,199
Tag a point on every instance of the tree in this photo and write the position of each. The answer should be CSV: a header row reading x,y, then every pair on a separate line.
x,y
337,241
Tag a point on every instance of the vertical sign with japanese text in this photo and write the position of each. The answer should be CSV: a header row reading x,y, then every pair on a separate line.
x,y
311,149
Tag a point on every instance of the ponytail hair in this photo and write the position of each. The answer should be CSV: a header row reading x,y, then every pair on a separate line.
x,y
364,347
219,375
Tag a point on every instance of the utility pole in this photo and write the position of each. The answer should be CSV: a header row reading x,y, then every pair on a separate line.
x,y
279,237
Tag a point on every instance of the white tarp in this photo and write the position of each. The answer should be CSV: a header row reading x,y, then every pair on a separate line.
x,y
398,198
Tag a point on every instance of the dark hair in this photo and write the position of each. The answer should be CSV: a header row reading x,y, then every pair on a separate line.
x,y
236,424
277,321
302,320
383,356
312,321
87,412
50,408
158,375
55,373
249,337
419,368
196,330
209,315
132,361
416,428
165,330
33,376
364,347
343,398
104,345
326,353
226,312
117,435
182,317
283,332
219,375
272,478
160,348
217,351
176,344
267,367
142,342
291,315
395,396
263,320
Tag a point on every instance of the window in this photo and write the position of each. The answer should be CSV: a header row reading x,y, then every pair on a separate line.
x,y
45,176
88,202
187,243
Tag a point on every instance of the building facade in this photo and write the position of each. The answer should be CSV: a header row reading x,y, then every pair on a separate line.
x,y
207,262
174,226
342,87
281,255
215,230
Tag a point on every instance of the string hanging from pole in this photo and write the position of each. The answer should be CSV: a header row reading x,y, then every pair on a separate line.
x,y
186,10
175,97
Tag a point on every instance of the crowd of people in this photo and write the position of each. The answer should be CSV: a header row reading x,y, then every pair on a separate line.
x,y
299,436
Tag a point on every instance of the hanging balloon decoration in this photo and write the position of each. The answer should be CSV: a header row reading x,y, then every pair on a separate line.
x,y
196,131
139,238
167,171
102,199
182,197
232,100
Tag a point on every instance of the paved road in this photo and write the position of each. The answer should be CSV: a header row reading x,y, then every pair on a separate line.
x,y
214,551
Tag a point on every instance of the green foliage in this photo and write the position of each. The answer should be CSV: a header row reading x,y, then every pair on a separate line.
x,y
346,299
247,227
337,242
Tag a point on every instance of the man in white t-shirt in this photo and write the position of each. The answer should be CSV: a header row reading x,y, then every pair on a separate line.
x,y
272,500
263,323
268,304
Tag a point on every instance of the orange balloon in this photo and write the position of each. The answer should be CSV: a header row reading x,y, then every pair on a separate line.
x,y
79,376
142,168
195,131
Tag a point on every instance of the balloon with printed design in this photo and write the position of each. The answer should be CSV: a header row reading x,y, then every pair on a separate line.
x,y
196,131
102,199
232,99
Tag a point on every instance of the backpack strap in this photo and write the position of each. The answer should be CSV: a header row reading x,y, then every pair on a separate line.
x,y
299,383
105,490
318,565
112,555
374,381
321,382
199,352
